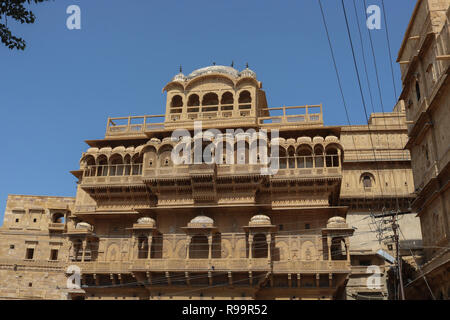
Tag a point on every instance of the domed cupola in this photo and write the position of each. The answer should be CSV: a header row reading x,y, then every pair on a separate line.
x,y
247,73
336,222
260,220
201,221
179,77
230,71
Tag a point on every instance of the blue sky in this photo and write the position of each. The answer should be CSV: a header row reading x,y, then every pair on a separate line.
x,y
62,88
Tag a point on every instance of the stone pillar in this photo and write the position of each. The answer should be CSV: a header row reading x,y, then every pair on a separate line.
x,y
339,157
150,240
329,247
188,243
84,249
269,242
133,247
347,248
210,246
250,246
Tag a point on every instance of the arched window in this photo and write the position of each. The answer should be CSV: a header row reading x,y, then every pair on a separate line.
x,y
136,164
319,157
102,169
291,158
282,159
367,180
142,247
338,249
199,247
58,218
227,98
127,164
89,162
241,153
259,246
210,99
77,250
304,159
245,97
332,158
116,165
177,102
193,101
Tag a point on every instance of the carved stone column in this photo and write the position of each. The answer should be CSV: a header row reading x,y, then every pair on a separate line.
x,y
209,246
133,247
150,240
347,248
84,249
329,247
250,246
269,251
188,244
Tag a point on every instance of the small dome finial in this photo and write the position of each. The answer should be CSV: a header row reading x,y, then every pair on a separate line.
x,y
214,63
232,63
246,65
181,68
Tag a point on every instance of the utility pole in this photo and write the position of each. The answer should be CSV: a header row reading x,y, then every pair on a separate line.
x,y
399,261
395,226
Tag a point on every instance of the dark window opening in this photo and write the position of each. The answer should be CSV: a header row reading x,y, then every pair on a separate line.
x,y
11,246
227,98
364,262
177,102
418,90
210,99
193,101
367,181
54,255
307,226
245,97
30,254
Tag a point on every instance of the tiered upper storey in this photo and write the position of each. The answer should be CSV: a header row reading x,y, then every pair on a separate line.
x,y
220,97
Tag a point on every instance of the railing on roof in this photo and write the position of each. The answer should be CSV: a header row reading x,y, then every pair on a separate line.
x,y
282,116
134,124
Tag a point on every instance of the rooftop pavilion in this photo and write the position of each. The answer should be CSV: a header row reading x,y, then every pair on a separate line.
x,y
220,97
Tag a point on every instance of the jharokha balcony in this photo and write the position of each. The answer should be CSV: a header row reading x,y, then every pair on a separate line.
x,y
295,166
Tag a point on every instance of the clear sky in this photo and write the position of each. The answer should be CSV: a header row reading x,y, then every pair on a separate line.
x,y
62,88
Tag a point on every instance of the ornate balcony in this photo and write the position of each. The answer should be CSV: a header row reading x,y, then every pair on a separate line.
x,y
120,174
56,227
298,266
217,265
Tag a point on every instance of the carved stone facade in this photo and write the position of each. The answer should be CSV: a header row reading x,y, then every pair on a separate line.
x,y
424,59
144,226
